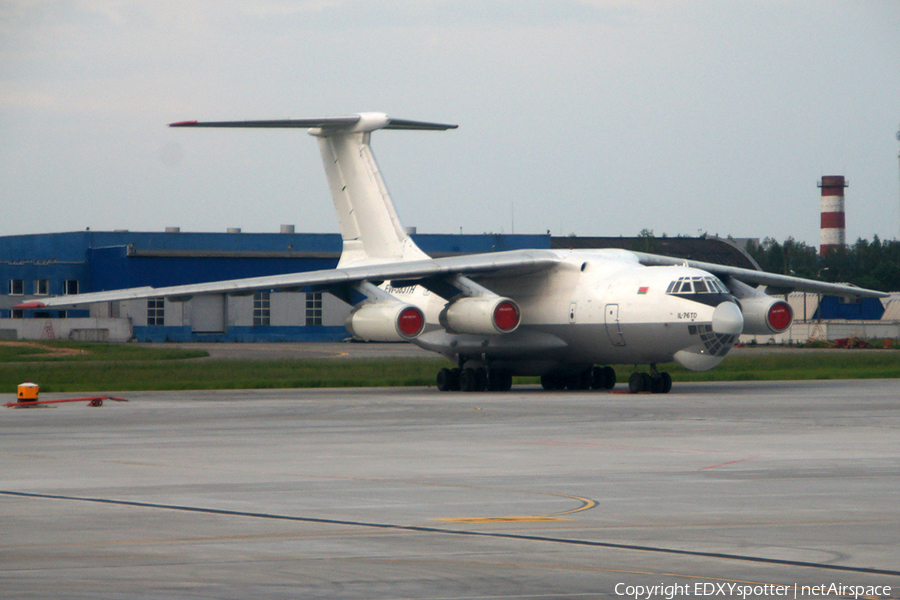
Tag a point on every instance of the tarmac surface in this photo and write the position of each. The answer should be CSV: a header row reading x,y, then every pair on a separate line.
x,y
719,488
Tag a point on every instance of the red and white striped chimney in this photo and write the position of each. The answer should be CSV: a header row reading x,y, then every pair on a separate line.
x,y
833,225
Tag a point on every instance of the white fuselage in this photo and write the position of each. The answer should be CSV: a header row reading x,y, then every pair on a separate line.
x,y
595,307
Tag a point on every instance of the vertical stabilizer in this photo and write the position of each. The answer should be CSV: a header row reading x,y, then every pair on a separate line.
x,y
370,227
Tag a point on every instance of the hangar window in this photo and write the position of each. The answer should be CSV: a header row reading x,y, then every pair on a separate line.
x,y
41,287
156,311
314,308
262,312
16,287
71,287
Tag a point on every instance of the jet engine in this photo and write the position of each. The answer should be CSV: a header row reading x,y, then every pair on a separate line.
x,y
764,315
386,322
482,315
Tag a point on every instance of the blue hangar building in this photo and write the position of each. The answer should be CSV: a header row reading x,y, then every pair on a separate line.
x,y
33,266
54,264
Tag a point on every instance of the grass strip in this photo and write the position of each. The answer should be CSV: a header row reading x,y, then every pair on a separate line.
x,y
798,365
78,375
219,374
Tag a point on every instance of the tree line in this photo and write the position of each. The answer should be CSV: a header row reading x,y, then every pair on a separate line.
x,y
874,265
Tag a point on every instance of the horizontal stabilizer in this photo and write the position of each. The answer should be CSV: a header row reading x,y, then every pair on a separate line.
x,y
362,122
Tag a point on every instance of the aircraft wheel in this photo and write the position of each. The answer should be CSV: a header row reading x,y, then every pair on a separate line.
x,y
586,380
636,383
447,380
553,382
455,372
499,380
667,383
603,378
597,379
481,379
610,375
468,381
579,381
657,384
648,383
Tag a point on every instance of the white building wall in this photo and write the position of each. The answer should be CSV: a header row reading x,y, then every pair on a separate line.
x,y
801,332
84,329
239,311
135,310
288,309
334,310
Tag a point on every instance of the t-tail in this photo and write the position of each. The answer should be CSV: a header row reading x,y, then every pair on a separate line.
x,y
370,228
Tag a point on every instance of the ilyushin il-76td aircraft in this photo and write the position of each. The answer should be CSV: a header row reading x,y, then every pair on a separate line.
x,y
563,315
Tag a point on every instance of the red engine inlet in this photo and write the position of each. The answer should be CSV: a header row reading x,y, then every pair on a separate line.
x,y
411,321
386,322
780,316
765,315
506,316
483,315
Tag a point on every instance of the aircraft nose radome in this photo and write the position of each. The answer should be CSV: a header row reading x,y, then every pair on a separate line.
x,y
728,319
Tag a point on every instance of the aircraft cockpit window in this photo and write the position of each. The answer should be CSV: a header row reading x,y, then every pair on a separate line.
x,y
697,285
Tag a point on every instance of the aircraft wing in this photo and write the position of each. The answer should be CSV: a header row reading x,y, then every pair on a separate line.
x,y
515,262
507,264
775,284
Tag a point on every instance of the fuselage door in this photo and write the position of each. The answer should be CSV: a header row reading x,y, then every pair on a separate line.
x,y
612,325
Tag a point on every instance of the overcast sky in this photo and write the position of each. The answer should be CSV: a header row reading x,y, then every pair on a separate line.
x,y
593,117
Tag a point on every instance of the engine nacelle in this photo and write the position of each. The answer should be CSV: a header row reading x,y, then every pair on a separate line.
x,y
764,315
483,315
386,322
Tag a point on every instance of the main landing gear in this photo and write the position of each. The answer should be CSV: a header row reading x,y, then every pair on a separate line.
x,y
653,382
596,378
479,379
474,379
604,378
